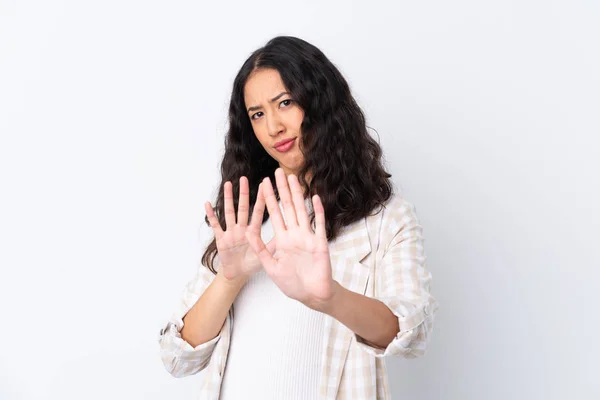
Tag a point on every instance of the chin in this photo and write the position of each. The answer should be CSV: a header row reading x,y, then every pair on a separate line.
x,y
295,168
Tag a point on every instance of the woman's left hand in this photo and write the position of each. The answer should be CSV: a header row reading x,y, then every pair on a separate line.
x,y
301,267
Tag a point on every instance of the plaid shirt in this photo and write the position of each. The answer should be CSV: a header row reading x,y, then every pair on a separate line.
x,y
380,256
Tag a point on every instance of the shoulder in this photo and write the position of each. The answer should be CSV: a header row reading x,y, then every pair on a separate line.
x,y
397,210
396,216
385,221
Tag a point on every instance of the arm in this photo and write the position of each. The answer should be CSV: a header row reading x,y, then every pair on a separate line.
x,y
204,320
369,318
188,341
399,319
303,271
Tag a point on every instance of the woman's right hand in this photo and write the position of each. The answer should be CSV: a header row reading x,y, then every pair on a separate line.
x,y
237,259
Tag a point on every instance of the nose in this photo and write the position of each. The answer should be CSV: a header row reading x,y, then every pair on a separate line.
x,y
274,125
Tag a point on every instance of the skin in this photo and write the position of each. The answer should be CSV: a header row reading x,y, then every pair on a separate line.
x,y
302,269
275,116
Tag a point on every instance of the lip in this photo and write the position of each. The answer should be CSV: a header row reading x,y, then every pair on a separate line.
x,y
284,145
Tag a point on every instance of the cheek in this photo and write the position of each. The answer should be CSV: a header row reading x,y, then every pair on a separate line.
x,y
261,134
297,118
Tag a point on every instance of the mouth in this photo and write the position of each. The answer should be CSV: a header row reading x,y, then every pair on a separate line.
x,y
284,145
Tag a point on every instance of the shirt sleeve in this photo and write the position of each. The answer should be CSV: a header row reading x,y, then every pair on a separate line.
x,y
178,356
402,283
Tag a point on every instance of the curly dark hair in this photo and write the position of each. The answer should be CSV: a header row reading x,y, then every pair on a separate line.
x,y
343,161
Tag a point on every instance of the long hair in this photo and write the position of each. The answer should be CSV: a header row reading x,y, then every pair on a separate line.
x,y
343,161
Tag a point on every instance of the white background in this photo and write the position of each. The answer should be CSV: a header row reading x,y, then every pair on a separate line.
x,y
112,117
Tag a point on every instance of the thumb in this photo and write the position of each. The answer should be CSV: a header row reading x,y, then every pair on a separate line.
x,y
271,246
256,243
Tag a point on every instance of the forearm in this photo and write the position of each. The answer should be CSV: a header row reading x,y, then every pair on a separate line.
x,y
205,319
367,317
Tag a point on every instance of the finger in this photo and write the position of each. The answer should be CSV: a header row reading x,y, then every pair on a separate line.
x,y
213,221
286,198
244,202
258,211
320,229
273,207
229,210
299,202
266,258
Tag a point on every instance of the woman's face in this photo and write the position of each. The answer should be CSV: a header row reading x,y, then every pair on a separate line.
x,y
275,118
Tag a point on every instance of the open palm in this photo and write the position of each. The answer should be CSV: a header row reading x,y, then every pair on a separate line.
x,y
236,256
302,266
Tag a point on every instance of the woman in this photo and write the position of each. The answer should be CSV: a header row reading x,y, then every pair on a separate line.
x,y
340,282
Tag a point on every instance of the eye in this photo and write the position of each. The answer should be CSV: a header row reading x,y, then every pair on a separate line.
x,y
286,102
255,116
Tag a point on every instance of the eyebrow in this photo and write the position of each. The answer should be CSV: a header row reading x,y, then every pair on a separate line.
x,y
254,108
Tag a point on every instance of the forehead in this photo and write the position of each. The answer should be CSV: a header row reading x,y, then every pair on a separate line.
x,y
262,85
